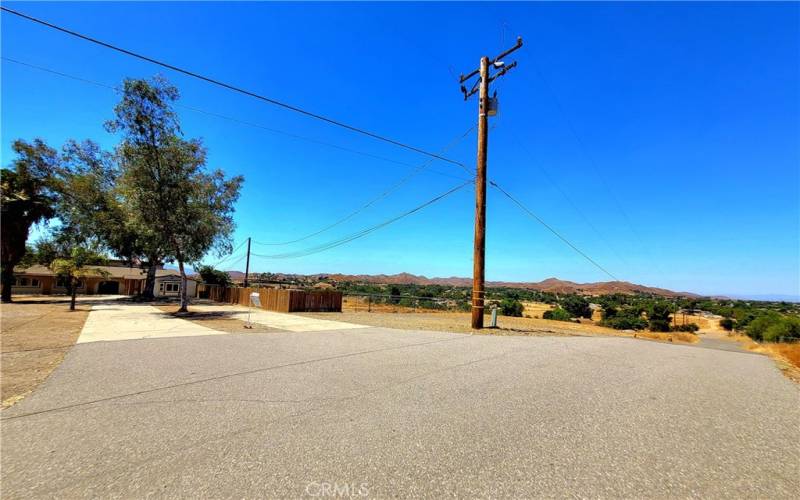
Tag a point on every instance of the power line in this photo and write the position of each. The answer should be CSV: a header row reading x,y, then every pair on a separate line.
x,y
569,200
231,87
362,233
551,229
381,196
593,165
230,118
236,249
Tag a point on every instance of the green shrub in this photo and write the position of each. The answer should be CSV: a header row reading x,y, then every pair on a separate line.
x,y
557,314
658,325
726,324
690,327
577,306
757,327
624,319
511,307
787,329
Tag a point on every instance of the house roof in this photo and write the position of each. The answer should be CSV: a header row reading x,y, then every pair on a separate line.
x,y
131,273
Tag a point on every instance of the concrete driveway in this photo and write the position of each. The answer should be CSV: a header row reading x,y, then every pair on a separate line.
x,y
387,413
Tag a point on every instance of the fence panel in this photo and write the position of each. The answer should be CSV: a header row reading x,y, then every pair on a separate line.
x,y
281,300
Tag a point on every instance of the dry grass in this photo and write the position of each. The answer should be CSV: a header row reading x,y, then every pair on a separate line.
x,y
459,322
535,309
35,335
680,337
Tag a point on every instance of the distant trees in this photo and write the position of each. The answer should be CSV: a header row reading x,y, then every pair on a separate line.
x,y
557,314
624,318
774,327
511,307
214,277
577,306
28,197
659,315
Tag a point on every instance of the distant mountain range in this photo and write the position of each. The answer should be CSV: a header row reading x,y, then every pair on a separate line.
x,y
553,285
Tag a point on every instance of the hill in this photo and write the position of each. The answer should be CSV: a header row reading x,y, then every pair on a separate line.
x,y
549,285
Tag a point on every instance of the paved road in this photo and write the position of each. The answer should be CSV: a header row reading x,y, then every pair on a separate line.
x,y
397,413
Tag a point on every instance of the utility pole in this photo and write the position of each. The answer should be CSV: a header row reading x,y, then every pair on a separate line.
x,y
487,106
247,266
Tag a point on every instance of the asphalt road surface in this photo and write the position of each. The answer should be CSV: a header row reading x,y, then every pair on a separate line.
x,y
389,413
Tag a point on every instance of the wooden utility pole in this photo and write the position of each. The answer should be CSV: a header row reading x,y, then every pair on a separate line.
x,y
247,265
487,106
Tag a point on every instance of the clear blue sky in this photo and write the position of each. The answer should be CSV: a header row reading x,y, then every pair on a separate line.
x,y
673,128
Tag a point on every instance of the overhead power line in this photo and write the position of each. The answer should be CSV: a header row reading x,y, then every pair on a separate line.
x,y
593,164
231,119
231,87
228,257
362,233
394,187
567,197
551,229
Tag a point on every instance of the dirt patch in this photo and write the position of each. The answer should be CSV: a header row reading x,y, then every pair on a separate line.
x,y
35,334
217,320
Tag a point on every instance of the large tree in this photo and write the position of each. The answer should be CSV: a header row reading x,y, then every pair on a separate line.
x,y
148,124
92,205
181,210
28,197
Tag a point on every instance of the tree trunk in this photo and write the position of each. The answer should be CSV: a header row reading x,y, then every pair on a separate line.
x,y
8,282
184,295
73,294
150,281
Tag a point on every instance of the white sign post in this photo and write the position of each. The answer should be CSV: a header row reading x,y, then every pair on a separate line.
x,y
255,300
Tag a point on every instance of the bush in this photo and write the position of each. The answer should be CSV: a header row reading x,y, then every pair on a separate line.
x,y
658,325
726,324
624,319
577,306
510,307
609,312
759,326
690,327
787,329
557,314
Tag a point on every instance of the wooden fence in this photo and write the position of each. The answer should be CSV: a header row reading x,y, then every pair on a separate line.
x,y
281,300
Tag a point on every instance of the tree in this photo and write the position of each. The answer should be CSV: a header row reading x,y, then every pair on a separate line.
x,y
182,210
77,267
726,324
577,306
511,307
214,277
658,316
557,314
148,123
27,197
91,205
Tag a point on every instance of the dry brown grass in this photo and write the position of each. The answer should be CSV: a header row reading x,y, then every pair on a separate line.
x,y
460,323
35,335
535,309
680,337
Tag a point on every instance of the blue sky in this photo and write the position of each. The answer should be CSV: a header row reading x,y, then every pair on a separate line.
x,y
661,139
